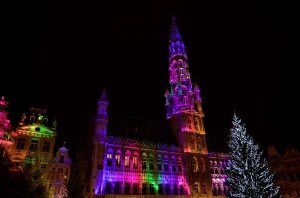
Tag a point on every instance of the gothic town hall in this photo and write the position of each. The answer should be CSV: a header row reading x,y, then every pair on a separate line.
x,y
129,166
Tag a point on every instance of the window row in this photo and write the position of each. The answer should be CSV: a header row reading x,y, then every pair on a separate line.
x,y
218,189
220,163
217,171
34,145
197,188
147,163
146,189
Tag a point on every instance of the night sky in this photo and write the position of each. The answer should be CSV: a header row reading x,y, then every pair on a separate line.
x,y
243,54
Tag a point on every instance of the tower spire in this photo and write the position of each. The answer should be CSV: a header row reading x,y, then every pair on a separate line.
x,y
103,96
175,34
176,46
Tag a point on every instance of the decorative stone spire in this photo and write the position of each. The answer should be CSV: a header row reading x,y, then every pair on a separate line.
x,y
175,34
176,46
103,96
180,98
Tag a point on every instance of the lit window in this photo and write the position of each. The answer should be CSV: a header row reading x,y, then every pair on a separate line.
x,y
144,161
196,124
118,160
127,162
109,159
195,164
135,164
196,187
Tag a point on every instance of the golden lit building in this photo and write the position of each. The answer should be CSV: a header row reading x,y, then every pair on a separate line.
x,y
287,170
35,138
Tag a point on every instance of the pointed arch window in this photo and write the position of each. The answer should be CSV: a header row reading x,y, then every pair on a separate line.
x,y
166,166
179,166
159,162
127,161
184,101
118,160
135,160
150,159
144,161
196,187
196,122
195,164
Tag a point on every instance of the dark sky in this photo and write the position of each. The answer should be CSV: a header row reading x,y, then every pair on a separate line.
x,y
243,55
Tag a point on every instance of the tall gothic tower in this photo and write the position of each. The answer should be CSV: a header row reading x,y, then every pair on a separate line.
x,y
185,115
99,143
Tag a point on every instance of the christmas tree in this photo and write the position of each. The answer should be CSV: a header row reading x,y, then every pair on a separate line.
x,y
248,172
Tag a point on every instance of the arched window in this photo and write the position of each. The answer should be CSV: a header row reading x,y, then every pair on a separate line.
x,y
118,158
201,165
109,159
166,166
196,122
159,162
151,165
135,159
144,161
195,164
184,100
179,166
173,164
180,71
127,158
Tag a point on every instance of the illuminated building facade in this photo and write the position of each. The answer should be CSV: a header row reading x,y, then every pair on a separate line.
x,y
287,170
59,172
129,166
34,137
32,140
6,142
